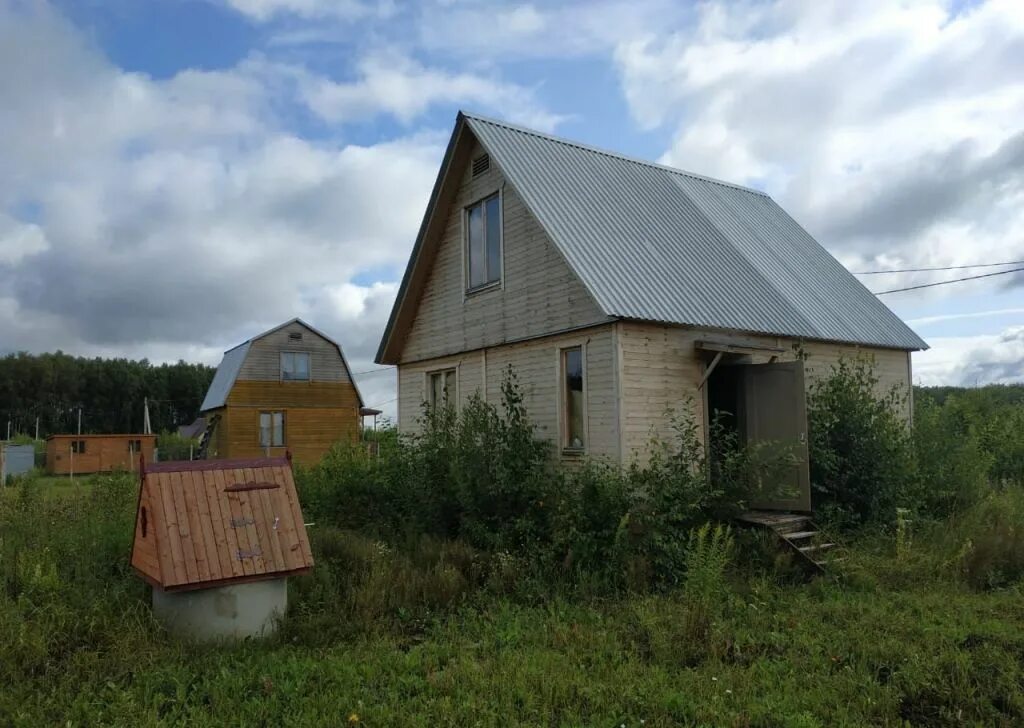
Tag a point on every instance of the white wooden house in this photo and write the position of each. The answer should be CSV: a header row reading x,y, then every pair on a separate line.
x,y
619,289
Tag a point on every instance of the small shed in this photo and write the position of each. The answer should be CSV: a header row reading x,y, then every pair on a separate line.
x,y
217,540
83,454
15,460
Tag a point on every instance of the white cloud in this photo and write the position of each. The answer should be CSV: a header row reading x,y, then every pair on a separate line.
x,y
893,131
265,10
391,83
19,240
972,360
174,218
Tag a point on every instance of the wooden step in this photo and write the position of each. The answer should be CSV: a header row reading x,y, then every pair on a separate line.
x,y
816,547
799,534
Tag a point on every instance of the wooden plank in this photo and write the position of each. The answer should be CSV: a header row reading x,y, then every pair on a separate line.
x,y
275,518
185,525
256,547
173,529
300,526
206,524
228,566
239,533
194,535
262,526
291,547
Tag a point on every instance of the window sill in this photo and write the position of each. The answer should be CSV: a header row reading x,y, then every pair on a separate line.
x,y
574,452
494,285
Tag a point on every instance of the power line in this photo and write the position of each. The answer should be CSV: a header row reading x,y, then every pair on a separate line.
x,y
373,371
948,267
946,283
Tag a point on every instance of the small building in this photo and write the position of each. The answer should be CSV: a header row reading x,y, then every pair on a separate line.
x,y
15,460
290,388
84,454
193,430
217,541
620,291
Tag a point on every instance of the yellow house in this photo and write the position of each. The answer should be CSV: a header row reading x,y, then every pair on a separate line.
x,y
619,290
287,390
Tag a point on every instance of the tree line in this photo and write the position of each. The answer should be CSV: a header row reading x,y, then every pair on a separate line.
x,y
110,393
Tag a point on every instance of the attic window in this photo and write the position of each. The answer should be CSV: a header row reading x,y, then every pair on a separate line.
x,y
295,336
295,366
481,164
483,243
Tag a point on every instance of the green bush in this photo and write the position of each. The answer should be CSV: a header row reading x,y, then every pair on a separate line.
x,y
987,542
861,455
172,446
952,459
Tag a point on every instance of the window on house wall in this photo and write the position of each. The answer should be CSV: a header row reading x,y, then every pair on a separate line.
x,y
483,242
271,429
441,387
78,446
295,366
135,446
573,423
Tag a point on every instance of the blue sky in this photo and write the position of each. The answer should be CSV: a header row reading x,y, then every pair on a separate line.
x,y
181,173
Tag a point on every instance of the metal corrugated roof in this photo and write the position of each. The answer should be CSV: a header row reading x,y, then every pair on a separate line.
x,y
658,244
224,378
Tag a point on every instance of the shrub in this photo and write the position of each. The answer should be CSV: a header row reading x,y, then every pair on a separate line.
x,y
861,457
953,464
172,446
989,541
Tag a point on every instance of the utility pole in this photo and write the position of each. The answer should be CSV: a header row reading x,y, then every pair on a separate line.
x,y
147,429
79,419
37,428
8,429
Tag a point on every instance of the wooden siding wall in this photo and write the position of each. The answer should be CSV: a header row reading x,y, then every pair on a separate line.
x,y
102,454
661,370
538,368
263,363
540,295
317,415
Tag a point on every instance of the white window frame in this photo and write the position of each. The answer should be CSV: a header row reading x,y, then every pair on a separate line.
x,y
428,389
284,428
500,281
309,365
563,425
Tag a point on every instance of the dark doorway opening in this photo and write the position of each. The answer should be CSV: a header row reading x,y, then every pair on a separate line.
x,y
761,407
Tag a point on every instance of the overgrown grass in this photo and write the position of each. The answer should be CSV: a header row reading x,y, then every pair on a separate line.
x,y
454,588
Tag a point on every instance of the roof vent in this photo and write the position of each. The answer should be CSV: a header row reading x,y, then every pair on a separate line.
x,y
295,336
481,164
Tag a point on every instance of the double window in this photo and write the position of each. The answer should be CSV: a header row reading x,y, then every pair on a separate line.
x,y
441,388
135,446
271,429
295,366
78,447
573,415
483,242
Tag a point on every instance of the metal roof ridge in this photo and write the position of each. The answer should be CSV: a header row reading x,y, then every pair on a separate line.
x,y
609,153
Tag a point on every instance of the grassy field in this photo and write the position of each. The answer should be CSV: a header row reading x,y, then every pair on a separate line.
x,y
464,579
889,640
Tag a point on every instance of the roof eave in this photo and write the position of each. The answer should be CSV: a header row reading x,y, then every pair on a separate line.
x,y
385,354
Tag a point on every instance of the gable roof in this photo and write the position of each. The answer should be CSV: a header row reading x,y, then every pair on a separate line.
x,y
227,372
247,524
653,243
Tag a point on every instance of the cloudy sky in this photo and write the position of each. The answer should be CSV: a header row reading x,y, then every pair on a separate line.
x,y
176,175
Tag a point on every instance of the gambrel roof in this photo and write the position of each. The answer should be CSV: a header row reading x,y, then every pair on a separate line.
x,y
653,243
230,366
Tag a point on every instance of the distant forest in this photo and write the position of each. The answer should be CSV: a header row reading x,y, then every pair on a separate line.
x,y
110,393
